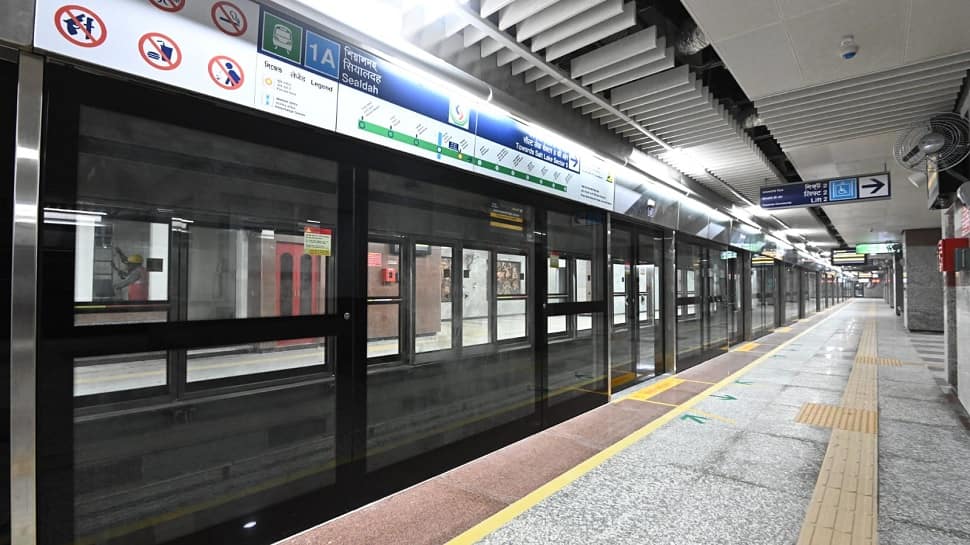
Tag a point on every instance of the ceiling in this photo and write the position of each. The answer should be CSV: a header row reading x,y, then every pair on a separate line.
x,y
835,117
877,221
772,46
603,60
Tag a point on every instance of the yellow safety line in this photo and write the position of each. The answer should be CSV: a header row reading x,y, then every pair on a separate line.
x,y
697,381
654,402
503,517
655,389
748,347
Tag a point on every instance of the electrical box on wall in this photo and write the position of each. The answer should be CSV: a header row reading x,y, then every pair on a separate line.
x,y
961,259
947,252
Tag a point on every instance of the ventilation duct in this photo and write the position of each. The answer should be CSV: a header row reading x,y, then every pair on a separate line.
x,y
691,39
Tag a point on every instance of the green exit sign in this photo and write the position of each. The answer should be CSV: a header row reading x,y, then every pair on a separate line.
x,y
874,248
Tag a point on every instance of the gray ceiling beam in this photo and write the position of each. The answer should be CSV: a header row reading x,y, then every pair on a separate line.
x,y
594,34
638,43
597,14
558,13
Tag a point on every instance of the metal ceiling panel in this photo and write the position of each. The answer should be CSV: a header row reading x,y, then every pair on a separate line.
x,y
599,74
603,30
520,10
550,17
597,14
665,63
635,44
488,7
663,81
869,104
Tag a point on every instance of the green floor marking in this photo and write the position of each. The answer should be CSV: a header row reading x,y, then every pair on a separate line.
x,y
744,382
725,397
695,418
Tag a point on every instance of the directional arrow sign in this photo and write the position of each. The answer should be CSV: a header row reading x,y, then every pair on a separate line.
x,y
874,186
725,397
744,382
695,418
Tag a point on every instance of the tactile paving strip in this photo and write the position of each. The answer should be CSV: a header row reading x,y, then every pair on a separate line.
x,y
843,508
872,360
842,418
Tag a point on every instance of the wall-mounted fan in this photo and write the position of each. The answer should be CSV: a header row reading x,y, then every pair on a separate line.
x,y
942,141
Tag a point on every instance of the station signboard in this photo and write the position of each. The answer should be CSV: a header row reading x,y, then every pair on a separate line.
x,y
239,51
869,187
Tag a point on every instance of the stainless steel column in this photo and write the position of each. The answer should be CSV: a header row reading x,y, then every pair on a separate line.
x,y
950,335
23,303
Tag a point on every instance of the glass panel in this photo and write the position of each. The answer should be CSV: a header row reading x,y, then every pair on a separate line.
x,y
432,281
621,326
648,281
689,311
718,301
146,190
584,280
383,329
237,361
105,374
511,289
194,464
383,270
576,366
419,410
476,307
558,323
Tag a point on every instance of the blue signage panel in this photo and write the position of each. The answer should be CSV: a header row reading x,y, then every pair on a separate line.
x,y
826,192
507,132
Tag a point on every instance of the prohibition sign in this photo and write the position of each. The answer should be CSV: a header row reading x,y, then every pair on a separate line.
x,y
80,26
226,72
160,51
168,5
229,18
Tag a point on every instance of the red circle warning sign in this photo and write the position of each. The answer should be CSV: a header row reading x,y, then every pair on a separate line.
x,y
160,51
168,5
229,18
80,26
226,72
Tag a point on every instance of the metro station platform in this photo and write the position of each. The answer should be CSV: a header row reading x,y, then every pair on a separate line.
x,y
835,430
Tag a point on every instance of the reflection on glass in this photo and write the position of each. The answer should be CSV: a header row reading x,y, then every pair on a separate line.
x,y
475,306
430,397
384,299
236,361
175,222
584,280
105,374
510,287
432,294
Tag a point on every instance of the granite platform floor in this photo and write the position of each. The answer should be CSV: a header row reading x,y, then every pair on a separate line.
x,y
710,455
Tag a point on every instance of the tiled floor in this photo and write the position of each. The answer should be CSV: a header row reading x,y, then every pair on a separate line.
x,y
716,455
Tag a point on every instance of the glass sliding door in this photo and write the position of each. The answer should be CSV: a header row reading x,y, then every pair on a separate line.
x,y
635,273
648,301
577,357
623,296
454,355
791,297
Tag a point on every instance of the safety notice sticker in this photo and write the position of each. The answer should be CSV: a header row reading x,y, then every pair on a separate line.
x,y
317,241
80,26
229,18
226,73
168,5
160,51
